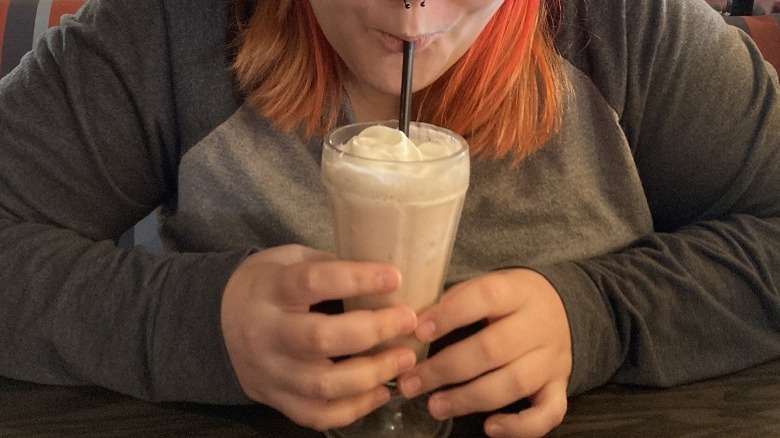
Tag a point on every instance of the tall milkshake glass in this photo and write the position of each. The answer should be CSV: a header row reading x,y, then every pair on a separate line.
x,y
404,210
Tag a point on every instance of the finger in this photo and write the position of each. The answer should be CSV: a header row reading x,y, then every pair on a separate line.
x,y
322,415
548,408
494,346
354,376
489,297
296,388
320,335
493,390
305,284
292,254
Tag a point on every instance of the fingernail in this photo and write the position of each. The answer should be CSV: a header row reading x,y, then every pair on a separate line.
x,y
406,361
426,331
410,386
381,398
440,408
407,322
493,429
388,281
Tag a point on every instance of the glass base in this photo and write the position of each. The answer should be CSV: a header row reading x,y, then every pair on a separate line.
x,y
400,417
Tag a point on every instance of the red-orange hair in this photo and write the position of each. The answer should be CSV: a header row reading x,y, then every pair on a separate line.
x,y
504,94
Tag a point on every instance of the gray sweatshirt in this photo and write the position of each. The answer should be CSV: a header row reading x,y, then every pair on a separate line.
x,y
654,211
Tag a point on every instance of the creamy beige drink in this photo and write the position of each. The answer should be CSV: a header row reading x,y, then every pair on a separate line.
x,y
399,201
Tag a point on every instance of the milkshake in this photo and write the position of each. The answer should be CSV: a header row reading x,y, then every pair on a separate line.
x,y
397,199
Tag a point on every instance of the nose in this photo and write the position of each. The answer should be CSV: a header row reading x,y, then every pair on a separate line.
x,y
408,5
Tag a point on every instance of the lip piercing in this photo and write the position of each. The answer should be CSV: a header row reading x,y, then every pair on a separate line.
x,y
408,5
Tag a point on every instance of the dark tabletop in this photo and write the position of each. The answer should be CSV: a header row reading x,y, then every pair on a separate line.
x,y
746,404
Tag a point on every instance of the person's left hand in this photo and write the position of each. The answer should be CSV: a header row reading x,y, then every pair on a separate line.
x,y
524,352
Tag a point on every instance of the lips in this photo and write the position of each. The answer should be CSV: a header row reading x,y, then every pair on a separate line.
x,y
396,43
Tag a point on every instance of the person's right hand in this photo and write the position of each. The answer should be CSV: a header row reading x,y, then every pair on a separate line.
x,y
281,351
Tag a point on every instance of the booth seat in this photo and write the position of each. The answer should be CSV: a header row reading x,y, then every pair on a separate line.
x,y
745,7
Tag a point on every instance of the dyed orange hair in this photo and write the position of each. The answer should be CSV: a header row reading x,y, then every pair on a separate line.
x,y
504,94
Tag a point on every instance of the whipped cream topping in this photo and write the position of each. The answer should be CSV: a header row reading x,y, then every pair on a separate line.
x,y
385,143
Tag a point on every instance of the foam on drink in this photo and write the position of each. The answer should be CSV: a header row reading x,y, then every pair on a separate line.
x,y
385,143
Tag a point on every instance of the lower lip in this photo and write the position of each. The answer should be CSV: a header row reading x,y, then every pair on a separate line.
x,y
396,44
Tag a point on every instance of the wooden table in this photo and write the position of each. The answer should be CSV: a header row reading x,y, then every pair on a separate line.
x,y
746,404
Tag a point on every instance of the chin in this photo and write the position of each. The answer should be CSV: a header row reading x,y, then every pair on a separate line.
x,y
389,86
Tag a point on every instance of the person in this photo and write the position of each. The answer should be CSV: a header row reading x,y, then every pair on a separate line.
x,y
622,223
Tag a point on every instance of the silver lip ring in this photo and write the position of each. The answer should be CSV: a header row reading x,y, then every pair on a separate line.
x,y
408,5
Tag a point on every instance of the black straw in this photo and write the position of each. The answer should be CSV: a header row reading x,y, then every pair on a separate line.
x,y
406,87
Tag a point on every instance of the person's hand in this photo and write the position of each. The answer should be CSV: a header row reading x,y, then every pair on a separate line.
x,y
524,352
280,350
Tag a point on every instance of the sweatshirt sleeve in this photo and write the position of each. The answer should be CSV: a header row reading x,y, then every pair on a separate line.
x,y
89,144
700,296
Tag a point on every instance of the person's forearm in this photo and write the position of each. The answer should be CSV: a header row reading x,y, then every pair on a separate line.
x,y
675,307
73,311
